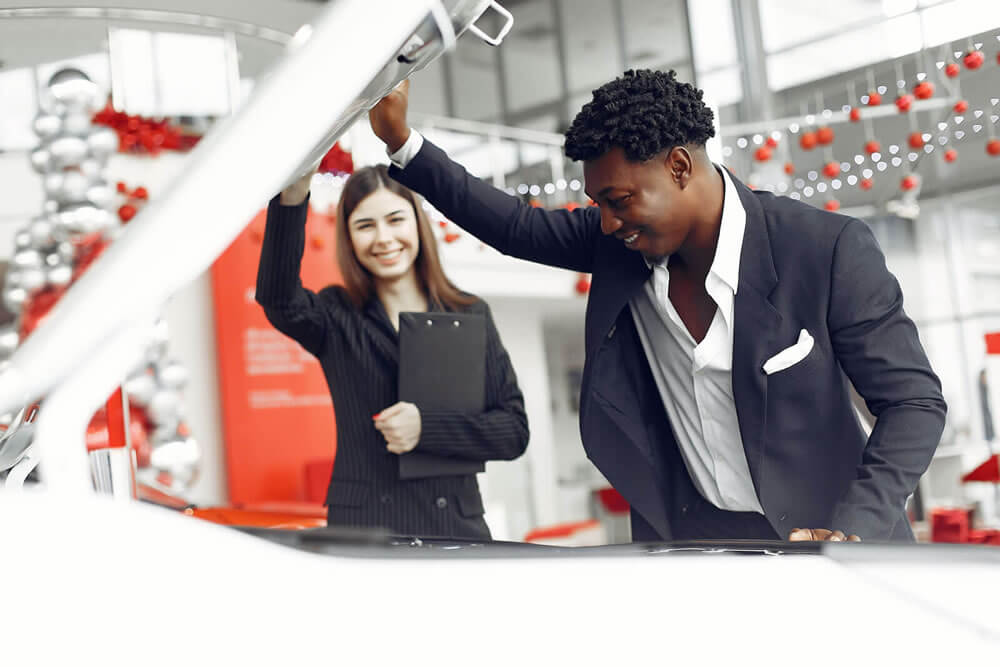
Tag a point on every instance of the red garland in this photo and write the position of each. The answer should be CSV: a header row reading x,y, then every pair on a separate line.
x,y
140,135
336,161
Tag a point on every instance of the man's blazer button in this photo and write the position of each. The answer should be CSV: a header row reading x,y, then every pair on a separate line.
x,y
612,332
782,517
386,499
442,503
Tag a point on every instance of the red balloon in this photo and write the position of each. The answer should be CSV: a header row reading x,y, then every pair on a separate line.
x,y
140,193
855,115
451,237
874,99
951,70
973,59
923,90
904,102
950,155
993,147
789,168
908,182
762,154
831,205
872,146
583,284
808,141
831,169
961,106
122,188
126,212
916,140
865,184
771,142
824,136
442,223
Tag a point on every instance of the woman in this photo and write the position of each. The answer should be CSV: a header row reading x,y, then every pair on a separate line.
x,y
388,259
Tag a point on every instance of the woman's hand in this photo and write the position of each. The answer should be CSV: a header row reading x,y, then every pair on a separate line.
x,y
297,192
388,117
400,426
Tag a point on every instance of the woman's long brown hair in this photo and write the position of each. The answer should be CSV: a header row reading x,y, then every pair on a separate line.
x,y
440,291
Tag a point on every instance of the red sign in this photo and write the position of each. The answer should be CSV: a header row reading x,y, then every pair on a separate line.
x,y
993,343
277,415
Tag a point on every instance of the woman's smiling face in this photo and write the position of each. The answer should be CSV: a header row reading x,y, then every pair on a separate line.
x,y
383,229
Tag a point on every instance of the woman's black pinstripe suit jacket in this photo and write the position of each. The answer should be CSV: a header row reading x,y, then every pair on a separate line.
x,y
358,350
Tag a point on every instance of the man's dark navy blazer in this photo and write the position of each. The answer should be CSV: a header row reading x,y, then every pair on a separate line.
x,y
800,268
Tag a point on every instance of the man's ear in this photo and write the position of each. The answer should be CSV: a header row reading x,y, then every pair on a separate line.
x,y
680,164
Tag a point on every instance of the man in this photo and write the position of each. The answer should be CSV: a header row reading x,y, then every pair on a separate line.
x,y
723,327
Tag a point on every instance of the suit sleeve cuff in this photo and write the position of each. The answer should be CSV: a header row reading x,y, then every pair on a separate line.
x,y
408,150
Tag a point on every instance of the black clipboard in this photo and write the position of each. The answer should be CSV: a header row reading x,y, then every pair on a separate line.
x,y
442,366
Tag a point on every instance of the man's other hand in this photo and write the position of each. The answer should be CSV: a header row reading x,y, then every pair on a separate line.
x,y
388,117
820,535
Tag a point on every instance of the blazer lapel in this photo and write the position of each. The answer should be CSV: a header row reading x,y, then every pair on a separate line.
x,y
755,323
619,274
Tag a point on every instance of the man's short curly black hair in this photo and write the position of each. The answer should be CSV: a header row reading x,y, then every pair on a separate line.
x,y
644,112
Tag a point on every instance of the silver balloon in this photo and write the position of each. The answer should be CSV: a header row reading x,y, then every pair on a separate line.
x,y
22,239
77,123
84,218
102,142
92,169
59,275
73,89
50,206
41,232
100,195
164,433
27,259
165,407
173,375
178,457
47,125
68,151
74,187
140,388
67,253
9,339
41,160
13,278
52,183
32,279
14,298
52,260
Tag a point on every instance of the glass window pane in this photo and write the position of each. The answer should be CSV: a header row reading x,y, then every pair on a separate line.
x,y
18,92
810,62
530,57
722,87
788,22
953,21
656,33
592,54
475,80
713,34
427,90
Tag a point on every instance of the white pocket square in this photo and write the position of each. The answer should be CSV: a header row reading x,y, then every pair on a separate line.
x,y
790,355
